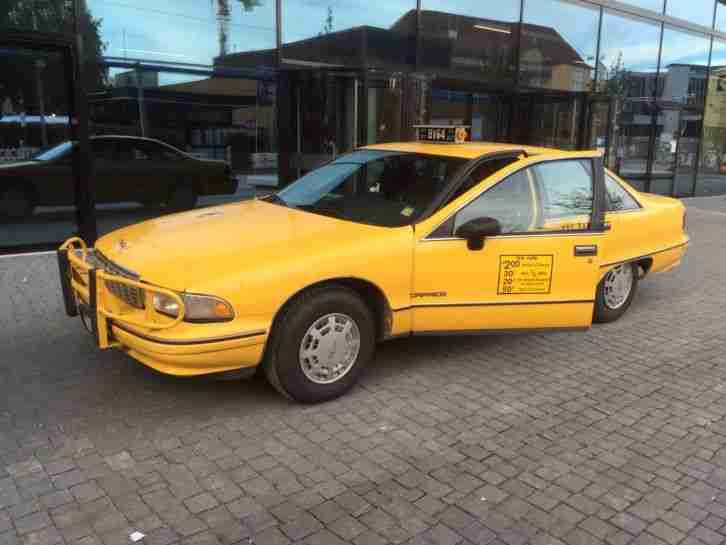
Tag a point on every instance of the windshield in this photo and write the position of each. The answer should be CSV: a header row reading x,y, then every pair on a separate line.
x,y
389,189
54,153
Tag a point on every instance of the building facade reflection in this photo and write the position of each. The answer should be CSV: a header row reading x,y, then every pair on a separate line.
x,y
273,89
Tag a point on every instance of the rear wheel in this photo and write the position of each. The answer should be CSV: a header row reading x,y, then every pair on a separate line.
x,y
615,292
16,202
320,345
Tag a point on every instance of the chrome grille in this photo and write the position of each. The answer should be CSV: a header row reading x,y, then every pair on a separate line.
x,y
128,294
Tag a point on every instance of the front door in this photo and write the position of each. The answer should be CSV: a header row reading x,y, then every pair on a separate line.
x,y
541,272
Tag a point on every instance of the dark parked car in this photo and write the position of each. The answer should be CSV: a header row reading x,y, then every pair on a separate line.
x,y
126,169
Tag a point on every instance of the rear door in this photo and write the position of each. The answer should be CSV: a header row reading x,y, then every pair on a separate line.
x,y
541,272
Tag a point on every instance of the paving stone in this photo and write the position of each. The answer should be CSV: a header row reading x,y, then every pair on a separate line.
x,y
201,502
347,528
616,435
301,527
32,522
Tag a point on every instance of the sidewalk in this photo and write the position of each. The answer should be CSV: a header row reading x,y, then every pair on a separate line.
x,y
615,436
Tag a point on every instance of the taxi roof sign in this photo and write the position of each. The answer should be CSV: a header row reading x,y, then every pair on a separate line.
x,y
442,134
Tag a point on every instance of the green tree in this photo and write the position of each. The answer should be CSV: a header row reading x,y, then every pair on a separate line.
x,y
224,15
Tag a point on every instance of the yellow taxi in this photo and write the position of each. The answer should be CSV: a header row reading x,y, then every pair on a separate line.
x,y
435,236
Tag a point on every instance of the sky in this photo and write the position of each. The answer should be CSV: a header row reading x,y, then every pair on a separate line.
x,y
186,30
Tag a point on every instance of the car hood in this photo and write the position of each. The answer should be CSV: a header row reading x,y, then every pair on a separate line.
x,y
193,250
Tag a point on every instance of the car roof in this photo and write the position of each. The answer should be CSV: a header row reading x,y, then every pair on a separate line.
x,y
467,150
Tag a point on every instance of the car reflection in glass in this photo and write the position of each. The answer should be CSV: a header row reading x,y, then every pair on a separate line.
x,y
126,169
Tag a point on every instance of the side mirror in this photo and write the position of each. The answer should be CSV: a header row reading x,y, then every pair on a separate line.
x,y
476,230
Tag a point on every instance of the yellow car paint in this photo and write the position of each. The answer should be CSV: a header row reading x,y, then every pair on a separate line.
x,y
257,256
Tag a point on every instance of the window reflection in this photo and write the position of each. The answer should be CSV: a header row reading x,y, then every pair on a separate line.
x,y
337,34
470,39
184,32
628,80
37,183
720,15
653,5
679,111
694,11
558,48
711,178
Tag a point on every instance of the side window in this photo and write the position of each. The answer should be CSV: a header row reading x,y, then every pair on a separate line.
x,y
618,199
512,202
565,189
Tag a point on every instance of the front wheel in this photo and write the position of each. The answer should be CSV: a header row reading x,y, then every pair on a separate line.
x,y
615,292
320,345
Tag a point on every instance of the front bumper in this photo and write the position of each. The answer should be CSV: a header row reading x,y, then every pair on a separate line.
x,y
114,324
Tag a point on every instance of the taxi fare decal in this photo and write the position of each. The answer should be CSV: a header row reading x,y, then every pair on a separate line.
x,y
523,274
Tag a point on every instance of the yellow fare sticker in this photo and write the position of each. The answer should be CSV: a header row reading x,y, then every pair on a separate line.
x,y
525,274
407,211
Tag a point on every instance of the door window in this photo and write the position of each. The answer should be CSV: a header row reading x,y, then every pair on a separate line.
x,y
618,199
551,196
512,202
566,188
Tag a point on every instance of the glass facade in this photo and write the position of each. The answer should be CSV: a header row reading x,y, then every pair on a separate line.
x,y
175,105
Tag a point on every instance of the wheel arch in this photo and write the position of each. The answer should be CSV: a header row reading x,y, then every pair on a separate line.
x,y
370,293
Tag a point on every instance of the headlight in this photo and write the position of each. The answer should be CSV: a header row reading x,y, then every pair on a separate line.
x,y
198,308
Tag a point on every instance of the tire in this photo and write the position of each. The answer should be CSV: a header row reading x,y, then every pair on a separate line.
x,y
609,304
182,196
303,332
16,202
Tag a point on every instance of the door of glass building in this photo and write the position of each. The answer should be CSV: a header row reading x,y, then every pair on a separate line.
x,y
552,121
38,206
326,117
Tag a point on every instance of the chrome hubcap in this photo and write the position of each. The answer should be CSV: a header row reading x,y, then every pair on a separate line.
x,y
329,348
618,283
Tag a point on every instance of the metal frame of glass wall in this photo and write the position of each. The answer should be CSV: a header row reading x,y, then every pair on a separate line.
x,y
662,18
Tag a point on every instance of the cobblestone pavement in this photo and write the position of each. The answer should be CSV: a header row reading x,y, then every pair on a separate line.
x,y
614,436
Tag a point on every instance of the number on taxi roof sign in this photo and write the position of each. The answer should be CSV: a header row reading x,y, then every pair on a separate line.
x,y
442,134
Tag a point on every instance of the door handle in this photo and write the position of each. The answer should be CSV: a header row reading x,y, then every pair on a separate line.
x,y
587,250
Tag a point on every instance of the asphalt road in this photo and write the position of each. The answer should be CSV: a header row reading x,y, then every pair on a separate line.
x,y
616,436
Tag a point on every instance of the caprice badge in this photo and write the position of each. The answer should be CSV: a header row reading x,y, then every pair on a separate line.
x,y
123,245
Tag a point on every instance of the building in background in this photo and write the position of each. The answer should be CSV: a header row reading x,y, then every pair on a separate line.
x,y
276,87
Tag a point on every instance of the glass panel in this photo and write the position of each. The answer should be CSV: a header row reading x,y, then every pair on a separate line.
x,y
373,187
711,179
548,121
212,141
469,39
679,111
654,5
618,199
721,15
559,43
694,11
322,32
566,191
511,202
562,193
186,32
39,16
37,198
629,81
384,111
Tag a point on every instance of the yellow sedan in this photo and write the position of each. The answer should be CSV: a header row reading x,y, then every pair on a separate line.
x,y
390,240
